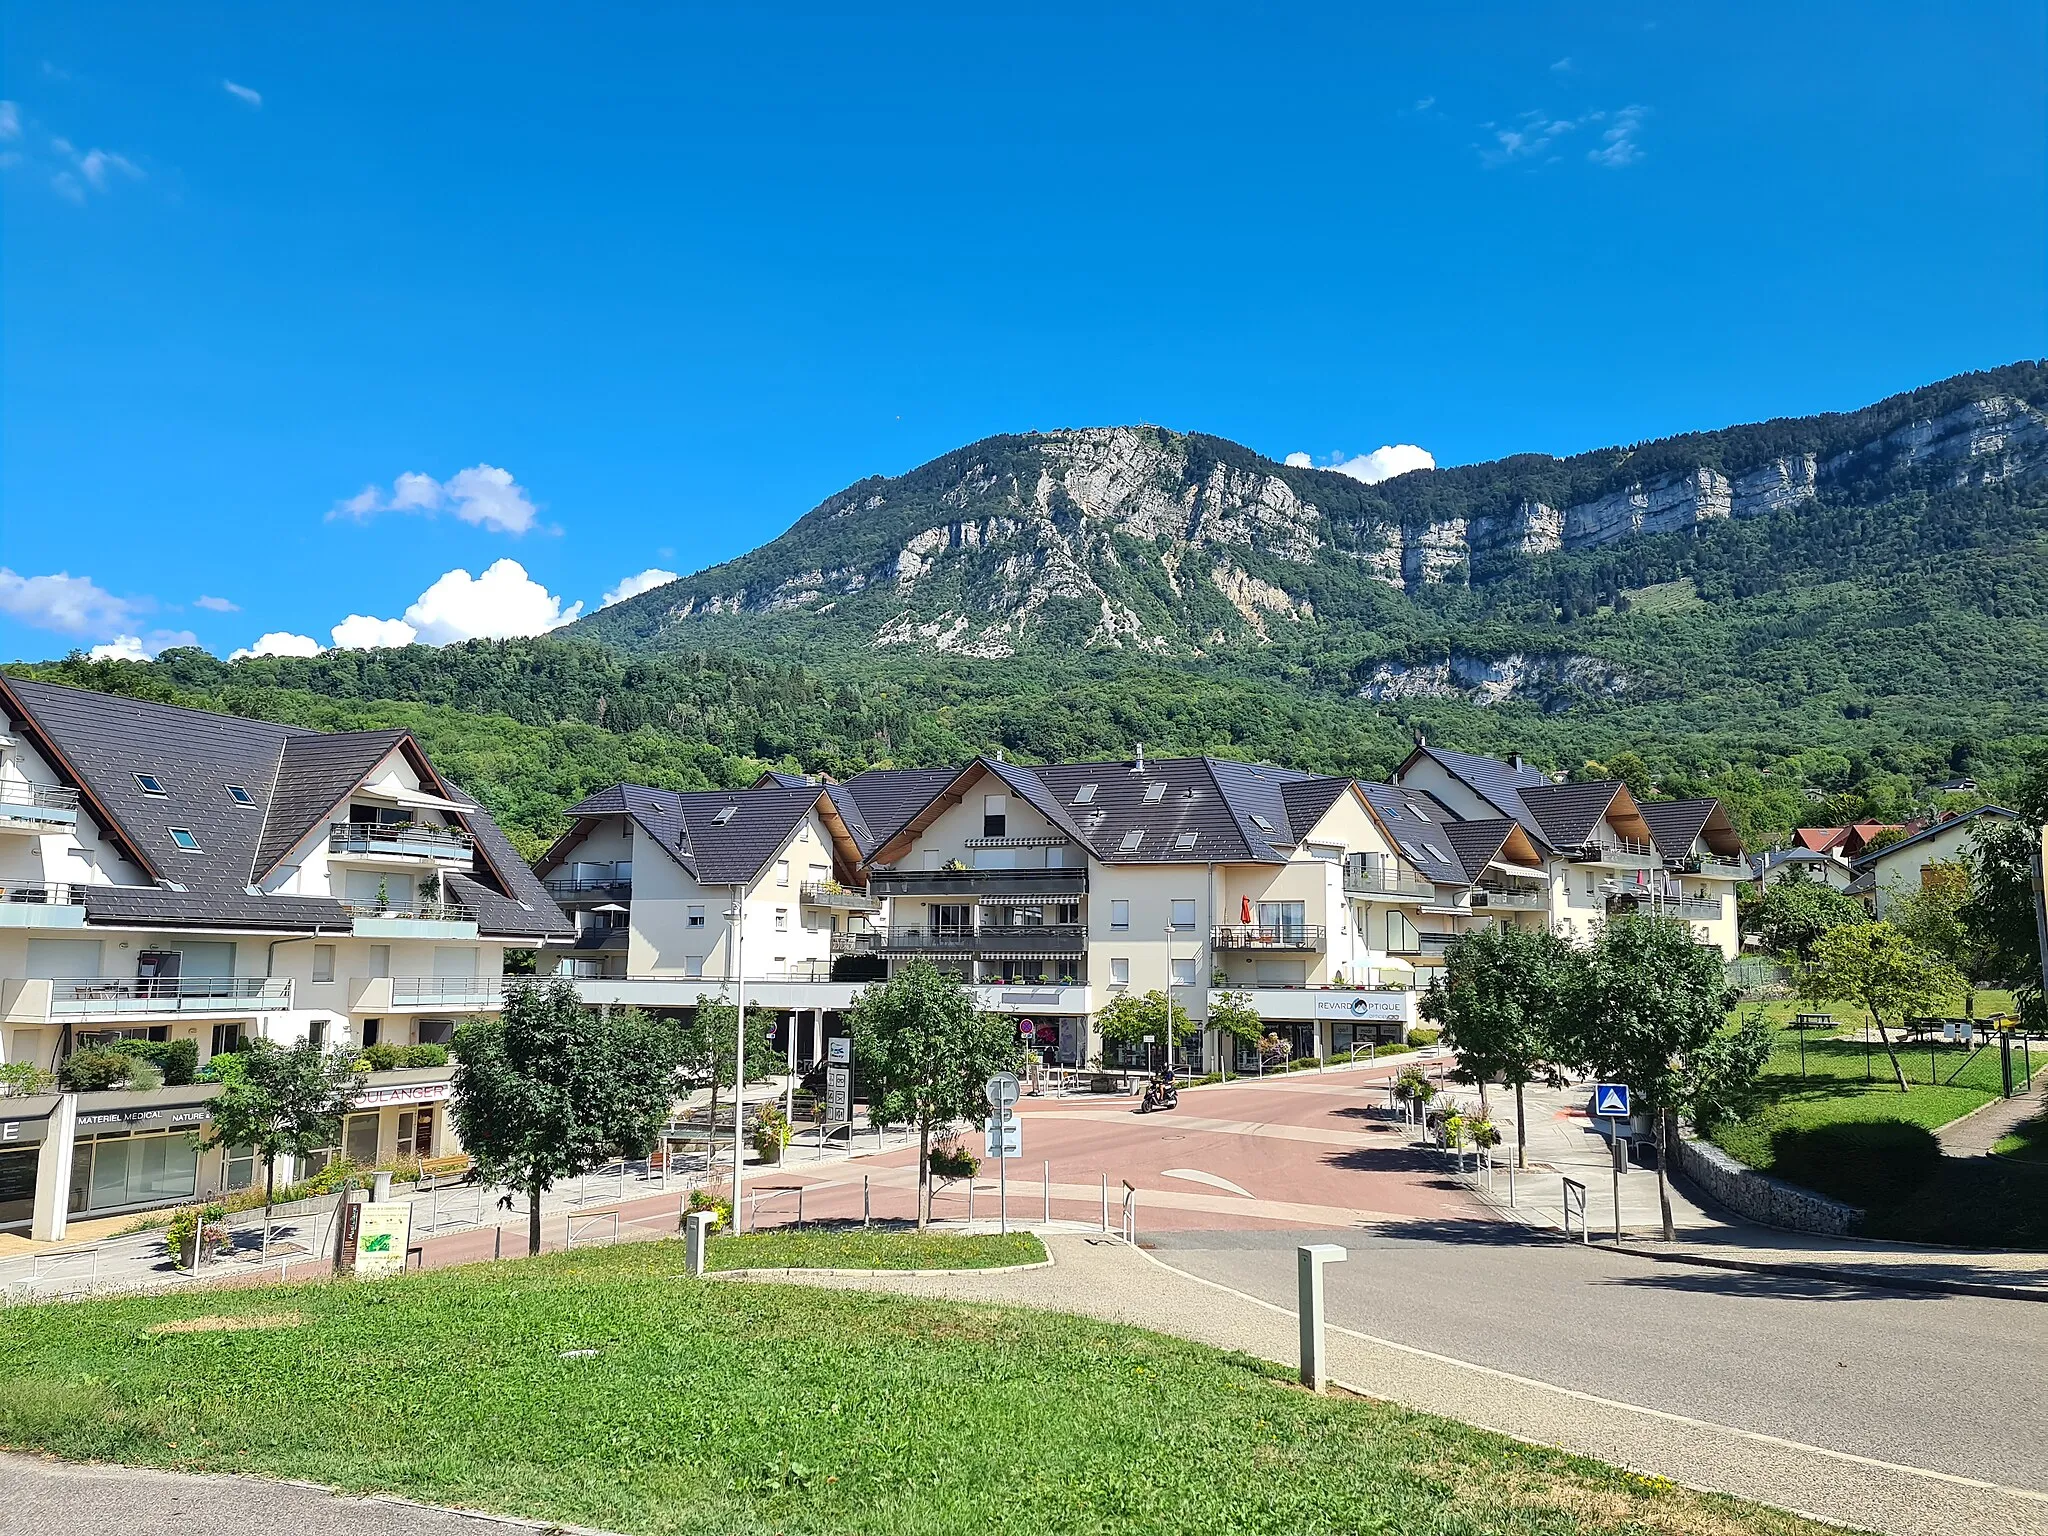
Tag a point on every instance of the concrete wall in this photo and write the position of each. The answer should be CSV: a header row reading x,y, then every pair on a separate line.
x,y
1760,1197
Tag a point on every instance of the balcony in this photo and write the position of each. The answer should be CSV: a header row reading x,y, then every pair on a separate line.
x,y
452,993
1489,897
36,808
1425,948
32,904
856,943
1288,937
831,894
380,842
1622,897
416,920
1386,886
992,939
574,892
1620,853
171,994
967,884
1710,868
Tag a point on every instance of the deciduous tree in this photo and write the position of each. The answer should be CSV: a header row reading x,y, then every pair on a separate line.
x,y
280,1101
1883,972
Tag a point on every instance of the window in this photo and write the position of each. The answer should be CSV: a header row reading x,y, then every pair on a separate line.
x,y
1120,971
952,917
1154,793
1414,853
1435,853
1085,795
323,962
240,795
695,917
1185,840
1132,839
183,837
1261,823
782,871
782,919
1184,913
1120,916
226,1038
995,815
693,966
359,1141
1327,852
1067,912
150,783
1417,812
1184,973
316,1034
1401,936
724,816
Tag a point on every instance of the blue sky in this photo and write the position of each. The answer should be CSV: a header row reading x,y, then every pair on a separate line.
x,y
307,311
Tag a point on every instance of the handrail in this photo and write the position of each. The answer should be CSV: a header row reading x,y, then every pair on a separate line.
x,y
818,893
1268,936
563,887
424,911
440,989
344,834
971,935
1370,883
49,797
1519,900
264,989
37,893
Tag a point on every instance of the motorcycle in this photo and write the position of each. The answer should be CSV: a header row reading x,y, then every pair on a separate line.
x,y
1160,1093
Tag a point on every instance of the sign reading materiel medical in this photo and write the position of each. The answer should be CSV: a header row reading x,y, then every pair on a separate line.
x,y
1610,1101
382,1234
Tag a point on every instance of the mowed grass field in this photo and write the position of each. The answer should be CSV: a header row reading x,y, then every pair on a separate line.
x,y
1838,1123
856,1247
606,1388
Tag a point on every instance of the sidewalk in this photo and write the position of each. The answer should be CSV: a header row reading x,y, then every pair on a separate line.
x,y
1980,1130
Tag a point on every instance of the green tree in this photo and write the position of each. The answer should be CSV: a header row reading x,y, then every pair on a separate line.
x,y
1653,1002
924,1051
1931,917
551,1089
2000,910
1127,1020
280,1101
1504,994
708,1044
1878,968
1795,910
1232,1014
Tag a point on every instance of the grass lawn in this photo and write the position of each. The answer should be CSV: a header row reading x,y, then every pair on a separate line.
x,y
2027,1141
1844,1128
759,1408
853,1247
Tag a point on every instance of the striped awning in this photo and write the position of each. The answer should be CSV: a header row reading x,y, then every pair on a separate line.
x,y
1067,899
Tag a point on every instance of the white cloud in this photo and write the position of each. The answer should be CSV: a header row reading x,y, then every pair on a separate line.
x,y
242,93
1531,136
10,121
279,643
216,605
360,632
142,647
501,603
483,494
76,604
1562,66
1423,104
73,174
1618,146
1383,463
633,586
95,164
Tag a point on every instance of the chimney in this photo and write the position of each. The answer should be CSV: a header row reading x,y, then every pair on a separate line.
x,y
1516,760
1420,739
1141,757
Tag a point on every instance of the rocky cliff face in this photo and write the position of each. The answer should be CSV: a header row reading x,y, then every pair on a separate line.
x,y
1139,538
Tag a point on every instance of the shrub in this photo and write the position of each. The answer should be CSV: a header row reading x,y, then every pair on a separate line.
x,y
178,1235
177,1060
718,1205
1414,1083
24,1077
380,1058
96,1069
1304,1064
954,1161
1421,1037
423,1056
1861,1162
1483,1131
771,1132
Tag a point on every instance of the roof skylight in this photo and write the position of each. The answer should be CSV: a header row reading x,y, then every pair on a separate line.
x,y
1154,793
1261,823
1436,853
1084,794
1132,839
1186,840
724,816
150,783
183,837
240,795
1412,851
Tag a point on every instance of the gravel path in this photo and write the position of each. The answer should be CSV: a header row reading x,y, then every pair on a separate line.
x,y
1100,1277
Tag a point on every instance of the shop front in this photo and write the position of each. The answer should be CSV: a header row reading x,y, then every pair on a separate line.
x,y
399,1117
23,1126
134,1151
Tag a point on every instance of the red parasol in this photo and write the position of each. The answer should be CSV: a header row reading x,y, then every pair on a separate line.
x,y
1244,909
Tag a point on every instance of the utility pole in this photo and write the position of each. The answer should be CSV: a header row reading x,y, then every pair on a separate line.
x,y
1168,1048
739,1043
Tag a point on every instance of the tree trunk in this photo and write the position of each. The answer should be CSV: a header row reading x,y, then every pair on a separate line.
x,y
1898,1071
1663,1188
533,1221
924,1173
1521,1132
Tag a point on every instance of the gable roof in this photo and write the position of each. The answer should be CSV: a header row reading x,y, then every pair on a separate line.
x,y
1566,814
1498,782
1819,839
1675,825
100,741
1870,861
887,798
314,774
1419,824
685,825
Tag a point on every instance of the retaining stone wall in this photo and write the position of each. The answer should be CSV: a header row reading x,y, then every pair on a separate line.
x,y
1759,1196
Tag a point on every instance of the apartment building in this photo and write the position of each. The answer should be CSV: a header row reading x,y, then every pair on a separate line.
x,y
170,875
1932,853
674,896
1603,852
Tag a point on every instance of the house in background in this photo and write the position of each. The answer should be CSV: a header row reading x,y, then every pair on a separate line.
x,y
1908,864
170,875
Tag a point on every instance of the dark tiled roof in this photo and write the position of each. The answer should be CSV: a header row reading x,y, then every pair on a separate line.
x,y
1674,824
1566,814
1478,843
1420,826
1497,782
850,815
315,772
734,851
888,797
523,909
104,740
1309,800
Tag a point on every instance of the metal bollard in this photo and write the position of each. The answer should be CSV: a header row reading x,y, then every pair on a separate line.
x,y
864,1207
1105,1202
1309,1261
1048,1192
696,1235
498,1242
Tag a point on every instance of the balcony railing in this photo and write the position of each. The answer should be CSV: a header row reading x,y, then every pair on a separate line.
x,y
1624,897
421,911
1621,850
964,884
1718,869
826,893
561,886
856,943
989,939
42,797
171,994
399,838
1520,901
1380,882
36,893
1289,936
446,991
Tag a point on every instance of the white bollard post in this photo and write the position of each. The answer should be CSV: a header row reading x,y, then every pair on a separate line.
x,y
1047,1186
1309,1261
696,1234
1105,1202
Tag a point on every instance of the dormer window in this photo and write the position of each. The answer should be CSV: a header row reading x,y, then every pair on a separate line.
x,y
183,837
1154,793
150,784
240,795
1085,795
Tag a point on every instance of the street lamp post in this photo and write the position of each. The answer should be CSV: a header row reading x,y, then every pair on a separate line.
x,y
737,917
1167,1049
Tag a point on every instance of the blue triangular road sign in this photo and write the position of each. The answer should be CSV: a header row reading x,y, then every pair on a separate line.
x,y
1611,1100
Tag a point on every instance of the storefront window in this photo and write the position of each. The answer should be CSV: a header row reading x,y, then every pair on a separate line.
x,y
17,1187
361,1139
239,1171
114,1171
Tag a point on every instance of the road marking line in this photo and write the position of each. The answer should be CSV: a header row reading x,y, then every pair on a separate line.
x,y
1759,1436
1212,1180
